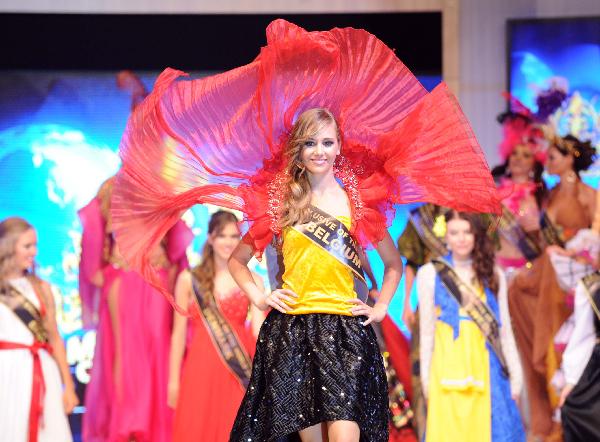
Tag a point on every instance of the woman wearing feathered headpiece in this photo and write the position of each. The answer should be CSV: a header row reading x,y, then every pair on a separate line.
x,y
314,141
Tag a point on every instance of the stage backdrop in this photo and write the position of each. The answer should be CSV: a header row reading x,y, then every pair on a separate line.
x,y
564,53
62,117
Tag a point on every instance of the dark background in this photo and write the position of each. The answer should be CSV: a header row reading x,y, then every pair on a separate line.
x,y
192,42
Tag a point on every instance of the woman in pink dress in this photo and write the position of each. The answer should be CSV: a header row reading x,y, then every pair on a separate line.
x,y
126,398
208,392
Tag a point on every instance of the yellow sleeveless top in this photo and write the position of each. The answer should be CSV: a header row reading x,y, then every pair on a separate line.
x,y
322,283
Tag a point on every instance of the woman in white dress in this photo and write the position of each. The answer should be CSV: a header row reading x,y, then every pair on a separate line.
x,y
34,399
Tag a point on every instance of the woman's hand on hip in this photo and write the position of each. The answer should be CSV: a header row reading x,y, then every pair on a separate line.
x,y
280,299
374,314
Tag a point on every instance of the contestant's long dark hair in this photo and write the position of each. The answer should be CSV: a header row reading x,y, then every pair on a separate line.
x,y
205,271
483,253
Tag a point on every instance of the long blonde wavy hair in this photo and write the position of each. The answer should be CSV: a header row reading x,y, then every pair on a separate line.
x,y
104,196
298,193
11,230
205,271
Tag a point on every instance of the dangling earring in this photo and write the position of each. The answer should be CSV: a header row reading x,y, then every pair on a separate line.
x,y
531,175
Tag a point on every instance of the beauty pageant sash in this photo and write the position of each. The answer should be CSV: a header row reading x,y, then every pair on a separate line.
x,y
26,311
551,233
512,231
223,336
477,310
591,283
333,236
423,220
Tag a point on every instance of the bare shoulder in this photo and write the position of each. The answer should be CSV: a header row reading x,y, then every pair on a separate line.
x,y
43,289
185,277
45,285
40,285
587,192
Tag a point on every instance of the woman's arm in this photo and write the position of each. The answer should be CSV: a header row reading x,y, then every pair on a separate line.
x,y
589,195
392,268
257,316
391,278
70,399
596,218
507,338
238,267
425,290
408,316
183,287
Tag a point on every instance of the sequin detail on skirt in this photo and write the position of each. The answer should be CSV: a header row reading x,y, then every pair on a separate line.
x,y
313,368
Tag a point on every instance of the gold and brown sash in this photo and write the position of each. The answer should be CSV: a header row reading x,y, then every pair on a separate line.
x,y
591,283
423,220
477,310
223,336
26,311
333,236
512,231
551,233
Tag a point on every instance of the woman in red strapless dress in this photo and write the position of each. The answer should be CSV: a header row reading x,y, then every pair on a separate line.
x,y
207,392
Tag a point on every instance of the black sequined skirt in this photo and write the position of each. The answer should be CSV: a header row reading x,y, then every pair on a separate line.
x,y
313,368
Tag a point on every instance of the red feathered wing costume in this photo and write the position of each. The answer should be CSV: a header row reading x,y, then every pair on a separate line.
x,y
219,140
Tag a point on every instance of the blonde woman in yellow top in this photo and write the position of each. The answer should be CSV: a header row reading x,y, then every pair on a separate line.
x,y
317,370
254,139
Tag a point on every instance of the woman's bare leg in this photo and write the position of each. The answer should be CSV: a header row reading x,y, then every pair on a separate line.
x,y
343,431
315,433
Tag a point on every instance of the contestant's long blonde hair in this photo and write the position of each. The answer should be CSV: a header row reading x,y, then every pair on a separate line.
x,y
297,195
105,196
11,230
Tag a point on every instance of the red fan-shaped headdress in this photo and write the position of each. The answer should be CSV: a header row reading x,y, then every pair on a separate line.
x,y
219,140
